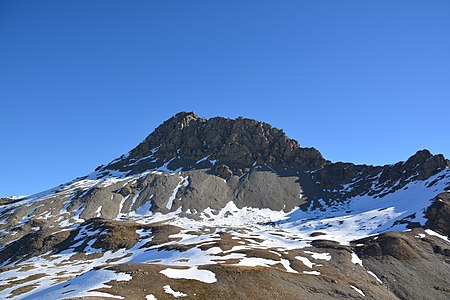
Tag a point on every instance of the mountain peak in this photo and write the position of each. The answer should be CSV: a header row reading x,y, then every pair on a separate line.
x,y
425,163
184,117
238,143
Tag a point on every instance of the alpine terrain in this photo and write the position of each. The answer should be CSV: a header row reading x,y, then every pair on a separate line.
x,y
232,209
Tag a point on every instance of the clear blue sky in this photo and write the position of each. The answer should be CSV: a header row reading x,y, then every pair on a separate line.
x,y
82,82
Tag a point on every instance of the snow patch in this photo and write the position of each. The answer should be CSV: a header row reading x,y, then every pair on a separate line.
x,y
287,265
256,262
356,260
98,212
315,255
375,276
194,273
305,261
434,233
169,290
145,209
184,181
357,290
317,273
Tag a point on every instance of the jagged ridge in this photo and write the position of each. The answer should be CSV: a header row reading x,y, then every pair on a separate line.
x,y
238,143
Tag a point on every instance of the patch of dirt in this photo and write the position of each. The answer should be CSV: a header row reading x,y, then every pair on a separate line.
x,y
29,278
317,233
117,235
22,290
33,244
389,244
262,253
161,234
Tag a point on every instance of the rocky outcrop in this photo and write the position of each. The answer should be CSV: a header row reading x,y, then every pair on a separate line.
x,y
377,180
392,244
413,264
32,244
223,171
115,235
6,200
238,143
438,214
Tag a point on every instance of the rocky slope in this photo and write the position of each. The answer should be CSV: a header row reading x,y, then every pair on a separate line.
x,y
221,208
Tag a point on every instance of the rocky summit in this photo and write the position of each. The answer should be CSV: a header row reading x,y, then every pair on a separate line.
x,y
232,209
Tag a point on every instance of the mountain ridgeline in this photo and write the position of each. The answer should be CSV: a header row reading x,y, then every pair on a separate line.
x,y
239,144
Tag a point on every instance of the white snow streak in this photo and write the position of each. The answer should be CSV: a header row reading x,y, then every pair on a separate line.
x,y
169,290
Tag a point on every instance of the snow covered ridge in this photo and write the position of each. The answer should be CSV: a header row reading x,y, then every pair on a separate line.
x,y
161,225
